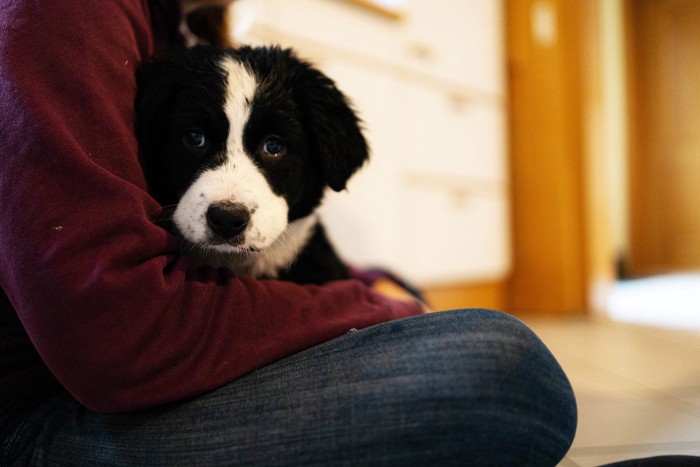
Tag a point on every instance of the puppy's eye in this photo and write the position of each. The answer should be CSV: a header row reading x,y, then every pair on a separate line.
x,y
194,139
274,146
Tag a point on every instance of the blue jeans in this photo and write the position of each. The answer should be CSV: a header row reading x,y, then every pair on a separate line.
x,y
468,387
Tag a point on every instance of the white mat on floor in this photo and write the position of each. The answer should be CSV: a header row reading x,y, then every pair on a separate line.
x,y
670,301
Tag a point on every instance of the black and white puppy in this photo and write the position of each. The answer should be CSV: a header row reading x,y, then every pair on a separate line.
x,y
241,144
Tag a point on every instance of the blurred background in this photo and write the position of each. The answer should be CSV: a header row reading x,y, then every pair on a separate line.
x,y
540,157
532,156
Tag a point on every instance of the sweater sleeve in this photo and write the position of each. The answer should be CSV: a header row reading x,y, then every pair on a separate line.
x,y
117,315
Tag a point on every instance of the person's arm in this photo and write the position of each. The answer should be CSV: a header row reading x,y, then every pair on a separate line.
x,y
120,318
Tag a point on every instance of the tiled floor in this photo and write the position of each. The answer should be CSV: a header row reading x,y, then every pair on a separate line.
x,y
638,388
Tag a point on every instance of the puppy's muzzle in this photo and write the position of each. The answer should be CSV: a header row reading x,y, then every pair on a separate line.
x,y
228,220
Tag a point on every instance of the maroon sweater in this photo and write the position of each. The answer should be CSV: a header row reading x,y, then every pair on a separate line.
x,y
94,290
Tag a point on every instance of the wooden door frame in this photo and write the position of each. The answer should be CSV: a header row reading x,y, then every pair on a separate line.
x,y
573,275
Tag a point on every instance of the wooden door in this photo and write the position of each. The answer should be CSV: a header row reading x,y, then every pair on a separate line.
x,y
543,46
664,75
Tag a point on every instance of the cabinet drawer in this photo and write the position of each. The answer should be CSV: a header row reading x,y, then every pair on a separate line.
x,y
332,24
447,238
454,42
452,136
459,41
430,237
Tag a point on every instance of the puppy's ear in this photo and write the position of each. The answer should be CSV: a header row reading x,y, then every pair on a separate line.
x,y
334,127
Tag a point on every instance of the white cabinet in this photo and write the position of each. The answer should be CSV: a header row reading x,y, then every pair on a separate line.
x,y
452,40
452,136
330,23
458,40
365,220
454,236
432,204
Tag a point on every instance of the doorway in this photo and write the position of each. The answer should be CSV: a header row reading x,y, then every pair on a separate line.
x,y
663,43
660,261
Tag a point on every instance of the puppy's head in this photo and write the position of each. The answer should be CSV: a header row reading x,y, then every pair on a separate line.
x,y
242,141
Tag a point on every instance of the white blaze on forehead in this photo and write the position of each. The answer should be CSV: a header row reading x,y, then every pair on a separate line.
x,y
240,90
237,180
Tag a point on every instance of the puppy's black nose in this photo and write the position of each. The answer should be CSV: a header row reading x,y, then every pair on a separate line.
x,y
227,220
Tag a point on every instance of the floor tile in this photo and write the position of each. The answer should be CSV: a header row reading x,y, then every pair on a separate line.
x,y
627,419
586,377
637,388
597,457
690,395
655,358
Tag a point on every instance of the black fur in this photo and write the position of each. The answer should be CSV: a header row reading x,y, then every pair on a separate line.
x,y
181,89
325,145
